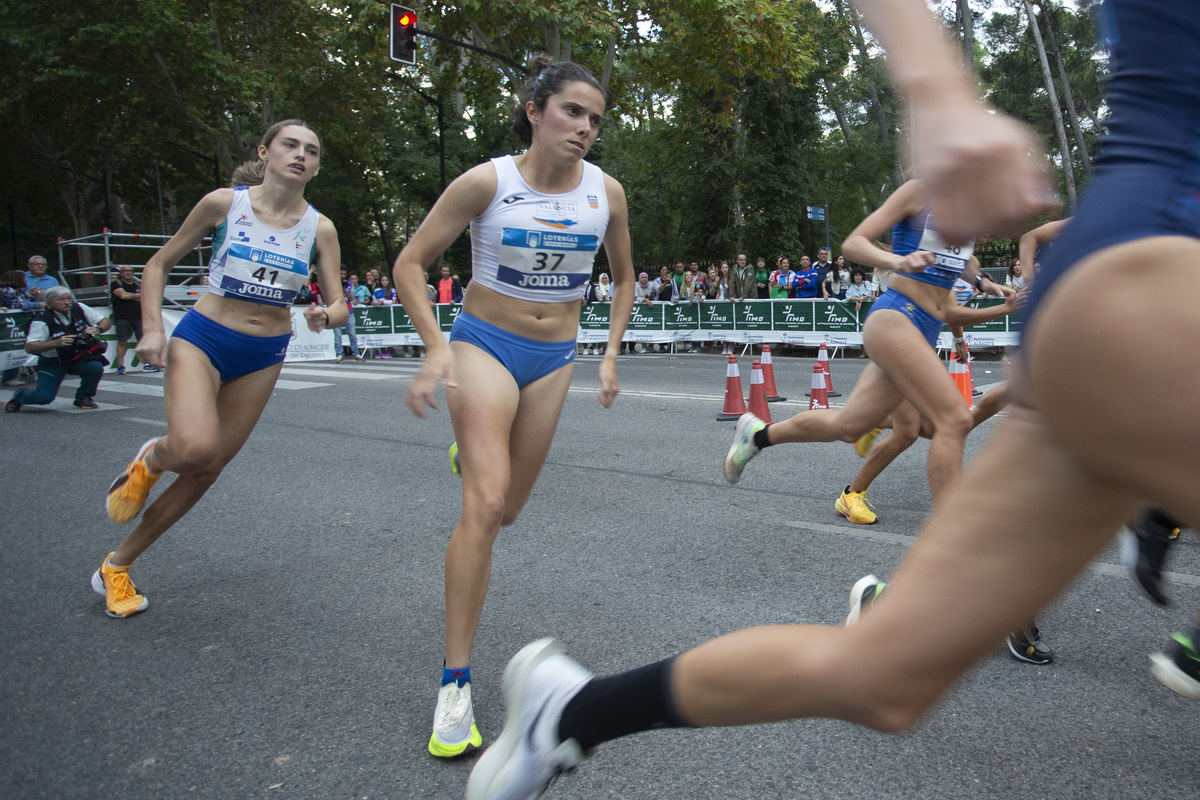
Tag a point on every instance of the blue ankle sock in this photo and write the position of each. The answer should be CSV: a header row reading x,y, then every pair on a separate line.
x,y
461,675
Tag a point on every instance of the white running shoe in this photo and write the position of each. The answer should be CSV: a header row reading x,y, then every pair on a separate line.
x,y
454,731
538,683
864,594
743,448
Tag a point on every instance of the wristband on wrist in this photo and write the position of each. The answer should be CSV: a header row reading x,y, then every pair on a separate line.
x,y
979,282
960,340
326,319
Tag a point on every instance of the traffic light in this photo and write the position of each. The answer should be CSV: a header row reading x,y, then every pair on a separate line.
x,y
404,34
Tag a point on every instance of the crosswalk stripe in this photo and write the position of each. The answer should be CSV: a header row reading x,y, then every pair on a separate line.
x,y
382,365
154,390
66,406
147,389
339,373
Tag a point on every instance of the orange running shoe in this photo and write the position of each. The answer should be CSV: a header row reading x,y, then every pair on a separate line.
x,y
120,595
128,493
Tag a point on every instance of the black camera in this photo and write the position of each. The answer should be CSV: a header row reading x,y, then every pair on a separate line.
x,y
86,343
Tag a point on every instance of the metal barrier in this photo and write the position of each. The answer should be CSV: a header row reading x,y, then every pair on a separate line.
x,y
187,281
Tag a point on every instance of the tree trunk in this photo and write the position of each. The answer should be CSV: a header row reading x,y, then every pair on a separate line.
x,y
839,111
966,26
1064,146
862,63
610,55
388,255
1072,115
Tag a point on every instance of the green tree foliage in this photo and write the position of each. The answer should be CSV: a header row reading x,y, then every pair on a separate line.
x,y
1012,75
726,118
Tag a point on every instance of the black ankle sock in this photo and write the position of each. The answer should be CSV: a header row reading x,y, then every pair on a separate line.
x,y
1166,523
616,706
760,438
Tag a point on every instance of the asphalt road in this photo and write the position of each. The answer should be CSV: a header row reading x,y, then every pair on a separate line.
x,y
292,647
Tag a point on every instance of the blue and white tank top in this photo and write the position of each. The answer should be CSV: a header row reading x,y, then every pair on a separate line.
x,y
260,264
917,233
540,247
963,291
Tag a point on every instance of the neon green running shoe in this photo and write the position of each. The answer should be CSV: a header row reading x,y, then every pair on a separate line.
x,y
455,467
454,731
743,448
1180,670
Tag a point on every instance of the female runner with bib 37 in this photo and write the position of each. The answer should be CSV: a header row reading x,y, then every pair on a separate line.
x,y
536,221
226,353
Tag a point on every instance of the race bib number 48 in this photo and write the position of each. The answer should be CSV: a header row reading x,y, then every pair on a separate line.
x,y
543,260
949,261
261,276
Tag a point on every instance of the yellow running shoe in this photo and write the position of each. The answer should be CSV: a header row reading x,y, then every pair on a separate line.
x,y
128,493
855,507
120,595
455,467
866,442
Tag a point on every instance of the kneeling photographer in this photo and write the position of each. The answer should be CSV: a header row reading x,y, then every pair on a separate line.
x,y
63,337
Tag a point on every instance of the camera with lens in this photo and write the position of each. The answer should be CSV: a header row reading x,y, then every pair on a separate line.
x,y
83,346
86,343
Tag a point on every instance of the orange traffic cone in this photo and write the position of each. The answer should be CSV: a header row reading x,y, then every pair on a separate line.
x,y
974,392
819,394
962,379
823,360
768,377
758,395
735,405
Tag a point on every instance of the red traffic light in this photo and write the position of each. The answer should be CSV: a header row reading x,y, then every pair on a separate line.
x,y
403,39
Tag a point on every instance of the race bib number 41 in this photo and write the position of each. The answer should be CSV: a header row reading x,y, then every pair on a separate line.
x,y
949,261
261,276
543,260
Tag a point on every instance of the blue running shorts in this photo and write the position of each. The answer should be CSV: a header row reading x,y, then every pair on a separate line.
x,y
527,360
929,325
233,354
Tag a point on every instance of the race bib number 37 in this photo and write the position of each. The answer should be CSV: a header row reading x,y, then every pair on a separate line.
x,y
261,276
546,260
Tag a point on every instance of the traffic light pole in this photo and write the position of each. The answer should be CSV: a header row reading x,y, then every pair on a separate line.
x,y
468,46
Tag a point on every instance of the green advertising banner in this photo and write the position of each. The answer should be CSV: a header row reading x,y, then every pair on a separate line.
x,y
12,339
835,316
753,316
594,317
645,318
792,315
400,321
683,317
373,321
996,325
806,322
716,316
446,314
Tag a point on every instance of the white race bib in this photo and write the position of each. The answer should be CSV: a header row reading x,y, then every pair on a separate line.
x,y
550,260
262,276
949,261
